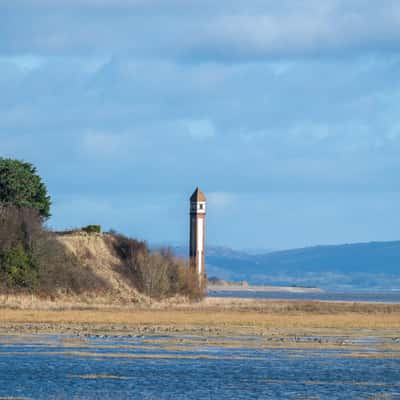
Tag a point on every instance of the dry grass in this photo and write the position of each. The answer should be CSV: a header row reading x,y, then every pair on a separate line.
x,y
94,252
212,316
215,313
112,299
130,269
295,306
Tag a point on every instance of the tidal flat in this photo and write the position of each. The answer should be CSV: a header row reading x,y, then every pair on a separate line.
x,y
222,349
42,366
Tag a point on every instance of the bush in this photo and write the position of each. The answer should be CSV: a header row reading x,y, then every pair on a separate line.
x,y
18,229
156,274
59,270
162,276
18,226
92,229
31,258
20,271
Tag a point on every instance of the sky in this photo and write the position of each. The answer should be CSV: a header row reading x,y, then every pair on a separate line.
x,y
286,114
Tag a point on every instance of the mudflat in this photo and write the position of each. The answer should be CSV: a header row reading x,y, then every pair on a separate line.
x,y
212,316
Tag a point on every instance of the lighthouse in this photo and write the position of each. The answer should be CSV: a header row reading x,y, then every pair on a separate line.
x,y
198,231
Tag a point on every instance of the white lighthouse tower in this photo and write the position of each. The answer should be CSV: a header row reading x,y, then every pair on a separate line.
x,y
198,232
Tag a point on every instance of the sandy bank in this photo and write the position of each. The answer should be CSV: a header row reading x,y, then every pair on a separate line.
x,y
262,288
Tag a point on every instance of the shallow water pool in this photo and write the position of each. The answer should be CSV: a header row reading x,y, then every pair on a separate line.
x,y
66,367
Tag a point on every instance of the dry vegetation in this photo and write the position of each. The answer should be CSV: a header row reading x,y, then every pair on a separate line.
x,y
211,315
133,272
32,260
108,281
85,266
176,318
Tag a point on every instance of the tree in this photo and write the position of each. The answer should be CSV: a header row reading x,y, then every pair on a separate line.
x,y
22,187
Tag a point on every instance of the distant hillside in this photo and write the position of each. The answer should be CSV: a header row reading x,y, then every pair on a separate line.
x,y
375,264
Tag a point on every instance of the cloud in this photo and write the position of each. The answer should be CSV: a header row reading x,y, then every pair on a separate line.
x,y
192,31
393,133
263,130
199,129
308,28
221,200
136,101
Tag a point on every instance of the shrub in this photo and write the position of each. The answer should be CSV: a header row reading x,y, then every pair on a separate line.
x,y
92,229
126,248
20,271
59,270
18,229
157,274
31,258
34,260
18,226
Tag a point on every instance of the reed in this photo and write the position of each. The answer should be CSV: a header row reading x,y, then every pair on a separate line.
x,y
212,313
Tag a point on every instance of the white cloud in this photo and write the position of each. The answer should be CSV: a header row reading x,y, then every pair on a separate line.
x,y
221,200
199,129
307,27
26,63
313,132
201,30
393,133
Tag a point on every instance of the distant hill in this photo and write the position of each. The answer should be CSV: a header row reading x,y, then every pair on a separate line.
x,y
361,265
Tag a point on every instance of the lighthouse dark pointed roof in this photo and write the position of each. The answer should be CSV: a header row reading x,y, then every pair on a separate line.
x,y
197,196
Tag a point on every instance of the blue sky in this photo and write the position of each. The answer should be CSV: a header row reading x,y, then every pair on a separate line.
x,y
287,114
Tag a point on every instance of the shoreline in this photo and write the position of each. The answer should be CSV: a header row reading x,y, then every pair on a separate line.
x,y
212,317
262,288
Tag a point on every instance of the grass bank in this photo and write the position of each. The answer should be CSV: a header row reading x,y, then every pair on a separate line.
x,y
225,316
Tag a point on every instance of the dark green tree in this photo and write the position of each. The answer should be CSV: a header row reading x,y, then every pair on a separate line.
x,y
21,186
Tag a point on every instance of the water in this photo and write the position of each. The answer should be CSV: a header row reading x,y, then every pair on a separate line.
x,y
354,295
62,367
